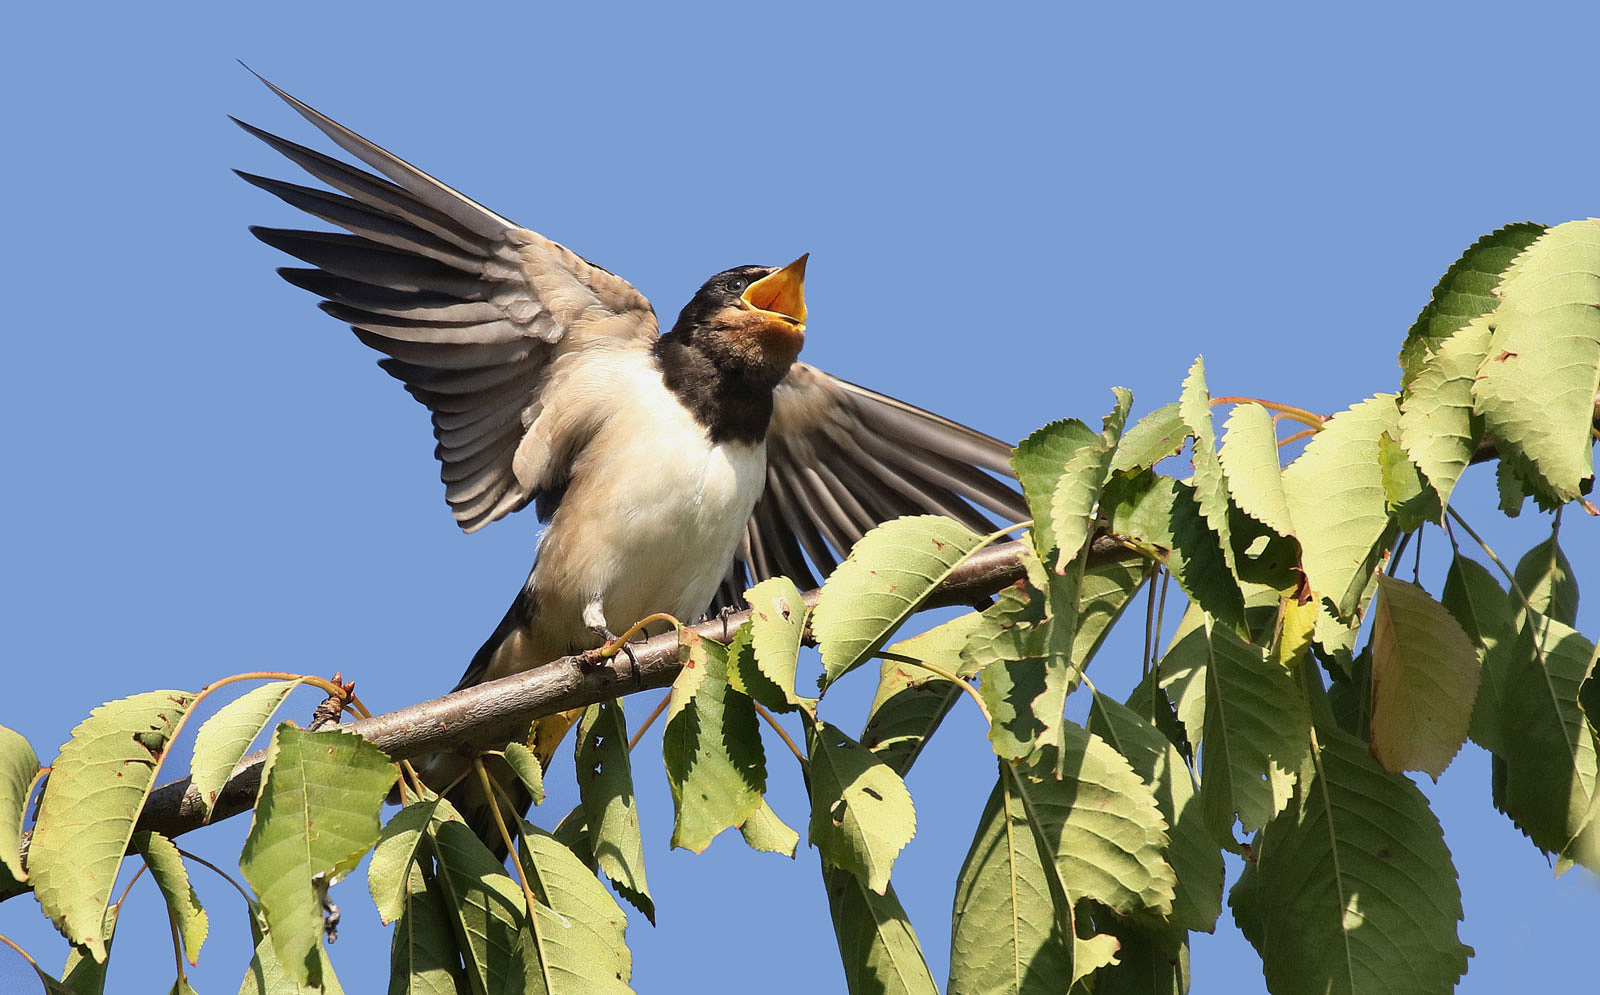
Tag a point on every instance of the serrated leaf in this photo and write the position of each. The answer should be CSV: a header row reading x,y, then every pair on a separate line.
x,y
1551,766
18,767
911,702
1425,675
886,577
1076,494
1210,482
877,946
1162,515
861,812
716,767
1336,499
183,905
1465,292
1256,733
225,737
778,616
267,975
1437,425
1410,500
1249,455
1196,861
766,833
1353,891
1536,391
1152,958
423,958
605,783
1100,824
1153,438
486,911
97,786
316,816
389,871
1038,461
1545,577
529,771
1478,602
81,975
1007,647
578,931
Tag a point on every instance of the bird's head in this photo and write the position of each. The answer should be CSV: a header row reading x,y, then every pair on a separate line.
x,y
749,319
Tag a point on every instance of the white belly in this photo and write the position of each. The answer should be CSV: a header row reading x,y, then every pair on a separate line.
x,y
649,523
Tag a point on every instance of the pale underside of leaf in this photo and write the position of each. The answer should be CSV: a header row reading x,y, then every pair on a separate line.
x,y
18,765
225,737
1255,477
1437,426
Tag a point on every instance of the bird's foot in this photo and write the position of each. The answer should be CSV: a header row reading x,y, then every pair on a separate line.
x,y
596,658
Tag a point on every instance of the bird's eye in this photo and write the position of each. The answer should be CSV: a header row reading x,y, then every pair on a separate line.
x,y
737,284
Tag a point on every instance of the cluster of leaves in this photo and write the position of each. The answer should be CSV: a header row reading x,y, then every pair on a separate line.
x,y
1260,729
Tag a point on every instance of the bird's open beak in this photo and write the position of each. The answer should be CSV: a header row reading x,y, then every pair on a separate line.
x,y
782,293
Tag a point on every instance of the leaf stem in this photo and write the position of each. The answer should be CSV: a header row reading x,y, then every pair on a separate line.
x,y
649,720
950,676
1300,415
773,722
1297,436
505,834
29,958
224,875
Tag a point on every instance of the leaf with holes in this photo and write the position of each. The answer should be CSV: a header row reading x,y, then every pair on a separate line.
x,y
605,783
778,615
861,812
716,767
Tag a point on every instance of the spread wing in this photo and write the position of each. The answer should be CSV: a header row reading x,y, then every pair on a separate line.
x,y
472,311
842,459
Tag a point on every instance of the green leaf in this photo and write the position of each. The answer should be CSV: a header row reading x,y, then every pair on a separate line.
x,y
18,766
1536,391
389,872
886,577
1478,602
97,786
486,911
1210,482
1152,959
81,975
578,932
1337,501
605,783
1425,675
225,737
765,832
183,905
1465,292
1511,487
267,975
911,701
1196,861
423,958
1076,495
1437,425
1256,733
1038,462
529,771
1255,477
1545,577
716,767
1163,516
778,615
861,812
1101,826
1551,767
1006,930
1409,499
1104,594
1153,438
1353,890
878,947
316,816
1007,647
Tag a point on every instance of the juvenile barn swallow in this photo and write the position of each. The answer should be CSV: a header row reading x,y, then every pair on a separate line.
x,y
671,471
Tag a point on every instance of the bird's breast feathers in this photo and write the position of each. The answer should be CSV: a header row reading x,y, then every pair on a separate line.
x,y
654,511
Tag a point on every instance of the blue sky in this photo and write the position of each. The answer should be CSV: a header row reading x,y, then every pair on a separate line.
x,y
1010,209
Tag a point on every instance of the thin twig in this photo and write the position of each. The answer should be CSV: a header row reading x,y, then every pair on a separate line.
x,y
649,720
781,734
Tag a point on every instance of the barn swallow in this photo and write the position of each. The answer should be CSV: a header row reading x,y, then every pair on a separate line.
x,y
671,471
